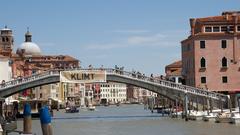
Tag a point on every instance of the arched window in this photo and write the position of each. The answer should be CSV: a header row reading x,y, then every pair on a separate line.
x,y
3,39
203,62
224,62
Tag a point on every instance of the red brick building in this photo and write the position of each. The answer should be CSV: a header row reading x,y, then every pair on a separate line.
x,y
211,54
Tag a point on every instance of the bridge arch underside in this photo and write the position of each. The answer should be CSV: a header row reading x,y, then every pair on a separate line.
x,y
35,83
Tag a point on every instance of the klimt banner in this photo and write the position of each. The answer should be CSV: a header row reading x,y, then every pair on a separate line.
x,y
83,76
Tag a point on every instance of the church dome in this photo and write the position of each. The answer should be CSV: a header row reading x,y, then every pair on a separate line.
x,y
28,47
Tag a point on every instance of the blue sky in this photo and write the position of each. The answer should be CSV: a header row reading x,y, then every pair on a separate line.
x,y
143,35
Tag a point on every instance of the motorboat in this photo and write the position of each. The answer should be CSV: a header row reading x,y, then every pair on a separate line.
x,y
72,109
118,103
223,118
91,107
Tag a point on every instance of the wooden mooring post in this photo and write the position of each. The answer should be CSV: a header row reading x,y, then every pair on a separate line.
x,y
45,119
186,106
27,119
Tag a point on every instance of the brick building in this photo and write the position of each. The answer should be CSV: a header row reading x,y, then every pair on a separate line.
x,y
211,54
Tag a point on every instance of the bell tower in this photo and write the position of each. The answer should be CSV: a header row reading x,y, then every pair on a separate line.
x,y
28,36
6,42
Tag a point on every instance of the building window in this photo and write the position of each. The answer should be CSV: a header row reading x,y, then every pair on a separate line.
x,y
223,28
224,62
203,63
208,29
216,29
224,79
238,28
203,80
188,47
230,28
40,95
173,79
224,44
179,80
202,44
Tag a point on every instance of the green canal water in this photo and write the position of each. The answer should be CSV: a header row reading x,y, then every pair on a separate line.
x,y
128,120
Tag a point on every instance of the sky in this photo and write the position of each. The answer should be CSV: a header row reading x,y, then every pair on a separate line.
x,y
140,35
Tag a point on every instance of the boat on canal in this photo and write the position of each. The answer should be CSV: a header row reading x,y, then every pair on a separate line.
x,y
72,109
72,105
91,107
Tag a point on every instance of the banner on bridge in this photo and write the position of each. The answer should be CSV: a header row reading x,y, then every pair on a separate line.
x,y
83,76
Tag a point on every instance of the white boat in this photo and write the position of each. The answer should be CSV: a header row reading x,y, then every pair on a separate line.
x,y
91,107
223,118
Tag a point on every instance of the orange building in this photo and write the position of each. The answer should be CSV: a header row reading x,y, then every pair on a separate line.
x,y
211,54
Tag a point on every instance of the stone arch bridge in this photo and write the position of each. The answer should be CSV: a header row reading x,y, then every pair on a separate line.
x,y
165,88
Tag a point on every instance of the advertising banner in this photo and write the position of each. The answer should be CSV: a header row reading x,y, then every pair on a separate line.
x,y
83,76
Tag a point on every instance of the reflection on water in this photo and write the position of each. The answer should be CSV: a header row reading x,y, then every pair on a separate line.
x,y
129,120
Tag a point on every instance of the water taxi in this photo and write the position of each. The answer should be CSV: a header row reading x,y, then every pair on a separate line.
x,y
72,105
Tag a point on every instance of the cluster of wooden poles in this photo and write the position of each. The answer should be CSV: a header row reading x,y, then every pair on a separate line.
x,y
187,104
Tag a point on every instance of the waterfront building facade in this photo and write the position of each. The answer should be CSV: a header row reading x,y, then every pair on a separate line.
x,y
138,95
211,54
113,92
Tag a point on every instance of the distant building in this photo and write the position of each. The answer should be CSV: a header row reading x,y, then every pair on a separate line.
x,y
29,60
97,93
140,95
211,54
6,42
174,72
113,92
89,94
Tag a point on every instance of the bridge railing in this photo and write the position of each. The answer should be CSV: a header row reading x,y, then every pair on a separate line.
x,y
162,82
169,84
27,79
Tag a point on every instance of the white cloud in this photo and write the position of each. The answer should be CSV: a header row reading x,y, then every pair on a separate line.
x,y
46,44
103,46
100,56
148,40
131,31
145,39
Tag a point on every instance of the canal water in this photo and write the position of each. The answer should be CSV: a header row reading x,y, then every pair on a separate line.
x,y
129,120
